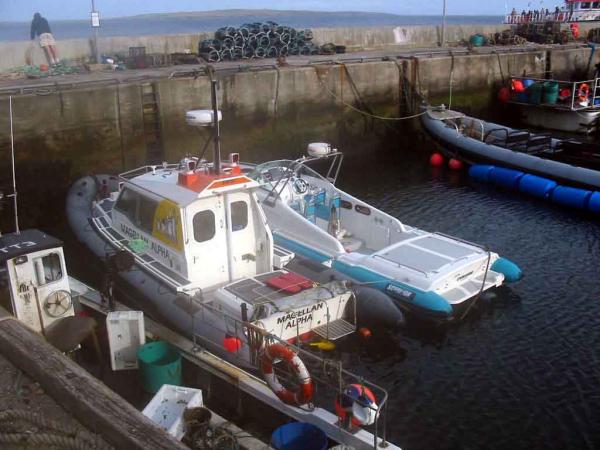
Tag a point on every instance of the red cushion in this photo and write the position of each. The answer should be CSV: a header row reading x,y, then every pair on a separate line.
x,y
291,283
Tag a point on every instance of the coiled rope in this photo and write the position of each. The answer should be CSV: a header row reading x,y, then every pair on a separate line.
x,y
55,433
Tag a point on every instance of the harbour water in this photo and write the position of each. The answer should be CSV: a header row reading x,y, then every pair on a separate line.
x,y
522,370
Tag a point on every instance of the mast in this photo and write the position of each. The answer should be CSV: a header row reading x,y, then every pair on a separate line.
x,y
216,129
12,155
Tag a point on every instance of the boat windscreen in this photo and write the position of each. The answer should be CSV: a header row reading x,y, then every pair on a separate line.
x,y
278,173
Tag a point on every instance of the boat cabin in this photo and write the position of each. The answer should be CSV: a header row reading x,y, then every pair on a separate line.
x,y
34,278
205,228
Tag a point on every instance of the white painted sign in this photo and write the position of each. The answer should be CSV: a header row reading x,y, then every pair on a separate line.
x,y
95,19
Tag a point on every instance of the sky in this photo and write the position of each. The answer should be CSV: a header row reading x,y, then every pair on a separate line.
x,y
19,10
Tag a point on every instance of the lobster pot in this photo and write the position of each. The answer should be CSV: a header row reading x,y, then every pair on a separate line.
x,y
159,363
299,436
571,197
507,178
594,203
481,172
537,186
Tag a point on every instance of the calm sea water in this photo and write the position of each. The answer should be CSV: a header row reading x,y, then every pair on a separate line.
x,y
523,370
190,24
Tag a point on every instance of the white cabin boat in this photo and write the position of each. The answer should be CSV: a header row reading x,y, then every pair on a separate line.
x,y
557,105
196,245
428,274
572,11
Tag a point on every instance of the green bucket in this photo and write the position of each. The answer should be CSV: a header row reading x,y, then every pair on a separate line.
x,y
535,93
477,40
550,92
159,363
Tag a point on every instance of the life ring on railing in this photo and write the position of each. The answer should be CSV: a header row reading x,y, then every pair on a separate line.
x,y
583,93
278,351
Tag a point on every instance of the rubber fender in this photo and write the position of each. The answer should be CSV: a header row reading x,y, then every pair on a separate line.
x,y
571,197
375,308
594,203
507,178
433,303
537,186
509,269
481,172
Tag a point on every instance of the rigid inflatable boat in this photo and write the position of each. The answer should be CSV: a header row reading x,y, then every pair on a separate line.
x,y
429,274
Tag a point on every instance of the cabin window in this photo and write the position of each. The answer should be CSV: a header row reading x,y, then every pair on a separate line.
x,y
127,204
48,268
363,210
345,204
204,226
146,212
239,216
585,5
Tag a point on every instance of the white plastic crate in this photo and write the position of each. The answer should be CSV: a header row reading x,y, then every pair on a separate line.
x,y
125,335
167,407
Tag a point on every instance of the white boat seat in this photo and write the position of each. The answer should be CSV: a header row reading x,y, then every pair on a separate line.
x,y
351,244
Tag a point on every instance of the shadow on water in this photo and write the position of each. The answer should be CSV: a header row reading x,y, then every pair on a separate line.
x,y
521,371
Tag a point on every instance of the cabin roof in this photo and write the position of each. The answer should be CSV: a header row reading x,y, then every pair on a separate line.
x,y
13,245
166,183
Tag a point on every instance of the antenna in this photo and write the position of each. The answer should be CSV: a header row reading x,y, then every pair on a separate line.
x,y
12,154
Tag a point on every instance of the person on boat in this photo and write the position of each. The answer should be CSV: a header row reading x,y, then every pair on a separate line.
x,y
41,28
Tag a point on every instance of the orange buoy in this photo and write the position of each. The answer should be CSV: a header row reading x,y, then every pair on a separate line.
x,y
232,344
436,160
455,164
365,332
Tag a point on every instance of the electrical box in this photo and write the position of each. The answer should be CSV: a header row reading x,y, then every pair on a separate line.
x,y
167,407
125,335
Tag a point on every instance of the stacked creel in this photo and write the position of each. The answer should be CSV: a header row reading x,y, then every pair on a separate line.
x,y
259,40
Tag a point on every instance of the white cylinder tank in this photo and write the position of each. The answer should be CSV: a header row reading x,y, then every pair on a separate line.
x,y
201,117
318,149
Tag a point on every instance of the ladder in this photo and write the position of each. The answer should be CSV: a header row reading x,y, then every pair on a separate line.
x,y
151,121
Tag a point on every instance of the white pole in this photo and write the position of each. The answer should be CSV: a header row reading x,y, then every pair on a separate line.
x,y
12,154
444,25
96,59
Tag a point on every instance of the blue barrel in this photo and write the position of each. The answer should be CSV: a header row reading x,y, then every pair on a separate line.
x,y
571,197
537,186
594,204
507,178
481,172
528,82
159,363
299,436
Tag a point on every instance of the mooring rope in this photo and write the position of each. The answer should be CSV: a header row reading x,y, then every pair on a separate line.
x,y
360,111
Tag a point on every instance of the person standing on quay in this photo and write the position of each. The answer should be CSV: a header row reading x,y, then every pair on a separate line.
x,y
40,27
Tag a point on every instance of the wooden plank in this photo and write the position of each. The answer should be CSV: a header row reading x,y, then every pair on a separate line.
x,y
86,398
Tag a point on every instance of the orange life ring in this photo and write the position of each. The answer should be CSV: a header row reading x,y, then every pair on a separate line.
x,y
278,351
583,93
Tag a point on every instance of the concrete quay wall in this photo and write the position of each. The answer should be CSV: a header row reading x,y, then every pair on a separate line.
x,y
14,54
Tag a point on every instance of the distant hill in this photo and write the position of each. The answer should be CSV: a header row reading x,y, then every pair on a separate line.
x,y
268,14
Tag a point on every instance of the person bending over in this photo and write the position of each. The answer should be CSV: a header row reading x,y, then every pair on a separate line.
x,y
40,27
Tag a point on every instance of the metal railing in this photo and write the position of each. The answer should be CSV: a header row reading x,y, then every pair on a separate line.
x,y
581,94
329,377
518,19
